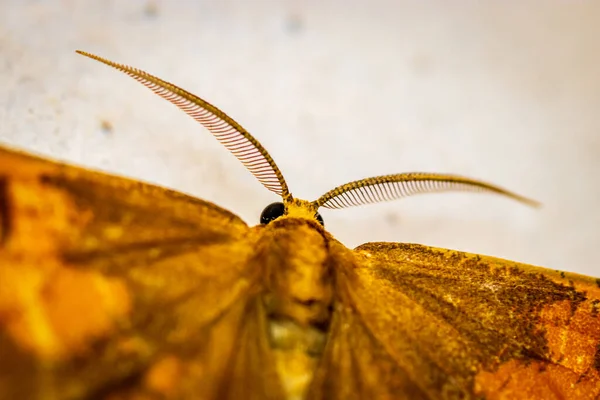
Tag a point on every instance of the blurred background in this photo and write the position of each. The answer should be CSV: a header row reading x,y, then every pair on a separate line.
x,y
507,92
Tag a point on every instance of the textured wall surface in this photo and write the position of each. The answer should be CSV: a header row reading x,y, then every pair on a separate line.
x,y
336,91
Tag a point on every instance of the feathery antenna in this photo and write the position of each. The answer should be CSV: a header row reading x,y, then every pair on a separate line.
x,y
258,161
391,187
231,134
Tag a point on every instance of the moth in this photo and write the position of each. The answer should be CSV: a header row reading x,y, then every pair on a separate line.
x,y
115,289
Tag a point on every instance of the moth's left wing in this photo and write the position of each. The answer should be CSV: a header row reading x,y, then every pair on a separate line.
x,y
415,322
112,288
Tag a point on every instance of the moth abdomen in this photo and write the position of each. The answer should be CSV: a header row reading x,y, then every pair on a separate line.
x,y
297,350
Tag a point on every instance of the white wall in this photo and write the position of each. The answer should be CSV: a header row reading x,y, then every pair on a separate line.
x,y
336,90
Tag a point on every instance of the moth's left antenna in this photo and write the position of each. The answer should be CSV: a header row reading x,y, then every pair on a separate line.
x,y
231,134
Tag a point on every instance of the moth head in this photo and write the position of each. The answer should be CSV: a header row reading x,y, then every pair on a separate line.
x,y
258,161
294,208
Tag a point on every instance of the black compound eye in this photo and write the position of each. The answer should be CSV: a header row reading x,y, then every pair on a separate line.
x,y
320,219
271,212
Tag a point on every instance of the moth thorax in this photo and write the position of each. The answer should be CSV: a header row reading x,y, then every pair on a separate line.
x,y
298,304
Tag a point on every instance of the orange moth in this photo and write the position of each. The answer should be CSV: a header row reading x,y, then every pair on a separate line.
x,y
115,289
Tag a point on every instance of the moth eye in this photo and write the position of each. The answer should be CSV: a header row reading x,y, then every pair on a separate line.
x,y
320,219
271,212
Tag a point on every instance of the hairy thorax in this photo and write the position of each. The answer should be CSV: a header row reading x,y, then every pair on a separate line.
x,y
299,300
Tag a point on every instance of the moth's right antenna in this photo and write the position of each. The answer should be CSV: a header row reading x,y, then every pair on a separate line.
x,y
390,187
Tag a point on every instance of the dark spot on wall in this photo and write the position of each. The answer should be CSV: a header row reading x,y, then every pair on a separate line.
x,y
393,219
294,24
151,9
106,126
562,274
598,282
421,64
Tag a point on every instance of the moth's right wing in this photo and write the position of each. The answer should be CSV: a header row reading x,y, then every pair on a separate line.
x,y
112,288
416,322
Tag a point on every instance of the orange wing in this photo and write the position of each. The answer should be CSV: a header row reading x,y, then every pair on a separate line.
x,y
415,322
111,288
